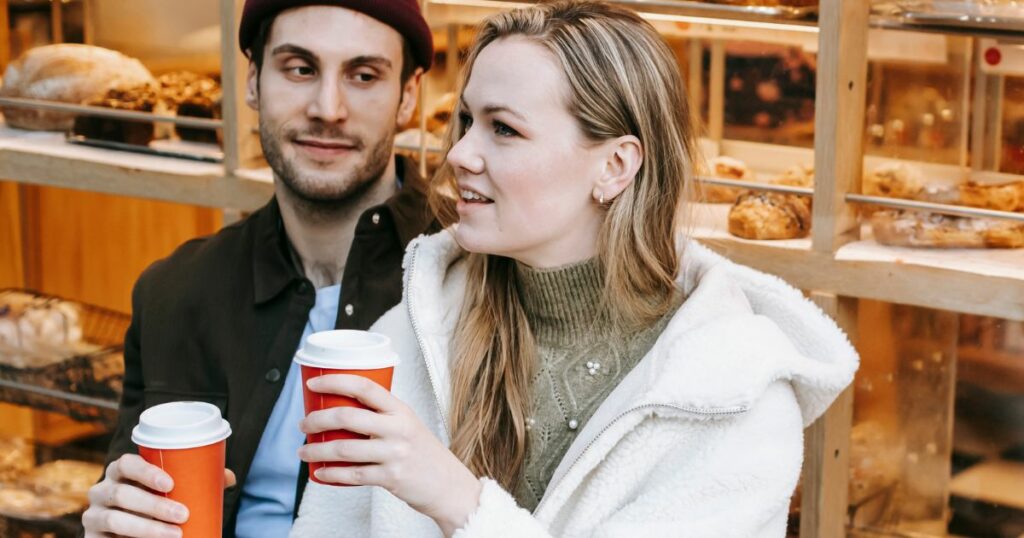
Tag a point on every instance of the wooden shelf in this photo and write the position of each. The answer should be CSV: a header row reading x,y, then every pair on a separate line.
x,y
915,280
46,159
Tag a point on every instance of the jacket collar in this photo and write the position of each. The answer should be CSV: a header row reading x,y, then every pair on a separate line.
x,y
737,332
273,268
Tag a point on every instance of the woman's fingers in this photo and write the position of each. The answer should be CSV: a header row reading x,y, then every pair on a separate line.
x,y
366,391
353,419
349,450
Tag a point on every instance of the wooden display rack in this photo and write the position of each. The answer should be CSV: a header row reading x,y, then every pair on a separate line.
x,y
834,281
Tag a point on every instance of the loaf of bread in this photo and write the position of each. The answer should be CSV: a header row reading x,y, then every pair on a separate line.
x,y
68,73
917,229
767,215
139,133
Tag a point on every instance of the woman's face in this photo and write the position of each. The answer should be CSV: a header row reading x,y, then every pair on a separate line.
x,y
526,174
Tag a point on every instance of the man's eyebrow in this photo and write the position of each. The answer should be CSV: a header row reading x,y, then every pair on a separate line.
x,y
290,48
369,59
494,108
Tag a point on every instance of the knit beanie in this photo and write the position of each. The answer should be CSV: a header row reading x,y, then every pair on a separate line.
x,y
402,15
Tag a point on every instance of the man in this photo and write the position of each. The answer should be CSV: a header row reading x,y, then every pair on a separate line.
x,y
221,318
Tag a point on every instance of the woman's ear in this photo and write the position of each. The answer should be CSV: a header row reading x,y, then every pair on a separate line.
x,y
624,155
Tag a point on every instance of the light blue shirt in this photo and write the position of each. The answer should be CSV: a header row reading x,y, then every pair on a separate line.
x,y
268,496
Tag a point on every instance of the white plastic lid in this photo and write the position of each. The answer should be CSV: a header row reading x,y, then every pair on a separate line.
x,y
347,350
177,425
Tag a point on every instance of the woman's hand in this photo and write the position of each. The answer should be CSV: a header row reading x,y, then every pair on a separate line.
x,y
401,454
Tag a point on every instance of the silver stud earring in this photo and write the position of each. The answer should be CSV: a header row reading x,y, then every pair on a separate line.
x,y
601,199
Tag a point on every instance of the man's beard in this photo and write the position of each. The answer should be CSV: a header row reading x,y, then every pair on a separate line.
x,y
321,200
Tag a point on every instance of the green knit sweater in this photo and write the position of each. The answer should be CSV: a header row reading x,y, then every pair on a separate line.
x,y
581,356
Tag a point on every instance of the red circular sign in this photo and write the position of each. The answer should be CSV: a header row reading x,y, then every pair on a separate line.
x,y
993,56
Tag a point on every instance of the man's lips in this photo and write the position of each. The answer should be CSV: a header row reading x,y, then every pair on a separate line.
x,y
324,149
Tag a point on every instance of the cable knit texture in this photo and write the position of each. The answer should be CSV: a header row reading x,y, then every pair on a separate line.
x,y
702,438
581,357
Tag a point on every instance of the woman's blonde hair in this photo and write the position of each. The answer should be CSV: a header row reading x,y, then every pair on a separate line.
x,y
623,80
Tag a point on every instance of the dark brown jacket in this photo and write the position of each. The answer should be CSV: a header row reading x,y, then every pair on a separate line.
x,y
220,319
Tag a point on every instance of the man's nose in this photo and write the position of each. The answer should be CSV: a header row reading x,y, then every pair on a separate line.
x,y
330,104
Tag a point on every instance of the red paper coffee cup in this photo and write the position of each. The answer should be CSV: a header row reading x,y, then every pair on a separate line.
x,y
359,353
186,440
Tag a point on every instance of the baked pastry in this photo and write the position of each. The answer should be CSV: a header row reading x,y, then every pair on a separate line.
x,y
66,478
441,115
766,215
917,229
1001,197
139,133
768,3
895,180
17,458
798,175
189,94
68,73
38,331
726,168
874,461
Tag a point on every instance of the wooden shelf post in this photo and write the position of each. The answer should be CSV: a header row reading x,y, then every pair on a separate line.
x,y
838,159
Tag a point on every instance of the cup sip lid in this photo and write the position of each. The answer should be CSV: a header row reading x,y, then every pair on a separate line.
x,y
178,425
347,350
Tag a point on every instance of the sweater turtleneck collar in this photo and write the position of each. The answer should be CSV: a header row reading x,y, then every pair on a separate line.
x,y
563,304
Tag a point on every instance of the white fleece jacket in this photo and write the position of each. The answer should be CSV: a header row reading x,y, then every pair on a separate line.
x,y
704,437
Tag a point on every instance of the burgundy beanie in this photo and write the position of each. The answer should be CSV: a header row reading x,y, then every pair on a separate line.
x,y
402,15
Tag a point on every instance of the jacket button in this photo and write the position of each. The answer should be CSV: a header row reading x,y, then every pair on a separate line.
x,y
375,218
304,287
273,375
349,309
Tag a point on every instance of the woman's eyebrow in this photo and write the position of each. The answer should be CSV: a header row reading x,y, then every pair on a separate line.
x,y
494,108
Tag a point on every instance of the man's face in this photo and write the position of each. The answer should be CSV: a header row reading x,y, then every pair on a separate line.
x,y
330,100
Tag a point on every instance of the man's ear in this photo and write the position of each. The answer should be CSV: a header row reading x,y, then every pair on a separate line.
x,y
410,94
623,158
252,87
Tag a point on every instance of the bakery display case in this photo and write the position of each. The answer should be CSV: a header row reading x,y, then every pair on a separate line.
x,y
149,102
871,154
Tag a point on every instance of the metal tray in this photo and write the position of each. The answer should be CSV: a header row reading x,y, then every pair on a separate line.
x,y
743,11
710,9
962,15
179,150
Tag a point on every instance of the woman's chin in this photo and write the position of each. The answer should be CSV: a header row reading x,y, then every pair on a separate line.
x,y
473,242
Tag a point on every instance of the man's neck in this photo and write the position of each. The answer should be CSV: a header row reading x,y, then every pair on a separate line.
x,y
323,242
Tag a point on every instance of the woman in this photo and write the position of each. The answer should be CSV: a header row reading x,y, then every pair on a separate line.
x,y
570,368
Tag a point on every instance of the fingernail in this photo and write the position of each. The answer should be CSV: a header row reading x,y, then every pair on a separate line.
x,y
312,383
180,513
173,533
164,484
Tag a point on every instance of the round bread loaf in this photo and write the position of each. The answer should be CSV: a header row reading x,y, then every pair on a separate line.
x,y
68,73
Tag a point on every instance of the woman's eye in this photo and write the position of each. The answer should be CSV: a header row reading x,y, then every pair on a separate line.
x,y
465,122
501,129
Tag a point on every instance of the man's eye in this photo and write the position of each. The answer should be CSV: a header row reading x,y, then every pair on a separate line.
x,y
501,129
365,77
302,70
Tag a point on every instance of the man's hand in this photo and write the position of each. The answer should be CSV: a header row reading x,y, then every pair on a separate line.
x,y
121,505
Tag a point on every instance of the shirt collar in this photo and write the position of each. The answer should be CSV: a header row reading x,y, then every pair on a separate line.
x,y
273,266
